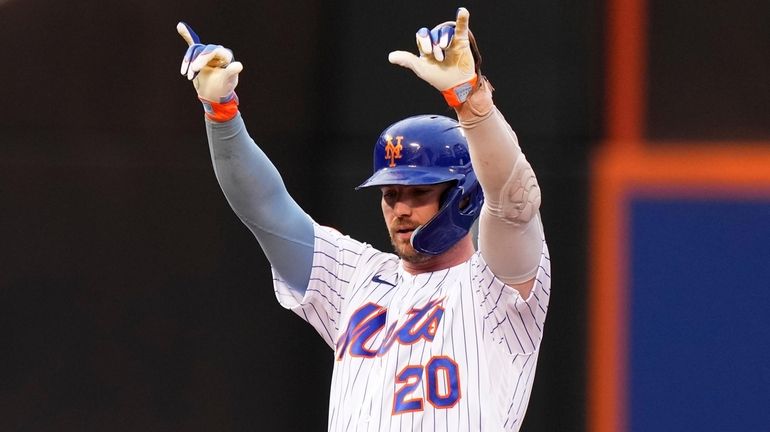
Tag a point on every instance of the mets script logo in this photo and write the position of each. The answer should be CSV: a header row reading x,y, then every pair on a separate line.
x,y
369,320
393,152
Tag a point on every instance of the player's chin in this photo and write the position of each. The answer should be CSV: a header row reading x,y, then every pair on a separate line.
x,y
406,252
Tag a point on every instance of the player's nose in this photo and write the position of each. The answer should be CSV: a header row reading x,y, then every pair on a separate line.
x,y
402,208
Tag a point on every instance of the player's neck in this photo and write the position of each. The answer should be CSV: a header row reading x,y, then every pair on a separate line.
x,y
457,254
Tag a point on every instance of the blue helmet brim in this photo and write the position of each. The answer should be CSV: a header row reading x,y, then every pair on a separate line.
x,y
409,176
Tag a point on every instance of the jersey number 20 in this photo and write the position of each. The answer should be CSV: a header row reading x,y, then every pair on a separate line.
x,y
443,385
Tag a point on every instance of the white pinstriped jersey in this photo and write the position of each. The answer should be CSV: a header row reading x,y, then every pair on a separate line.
x,y
450,350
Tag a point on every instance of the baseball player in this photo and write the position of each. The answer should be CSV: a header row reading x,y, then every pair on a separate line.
x,y
436,336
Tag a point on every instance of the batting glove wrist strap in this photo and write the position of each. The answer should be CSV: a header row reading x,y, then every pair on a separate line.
x,y
458,94
478,106
221,111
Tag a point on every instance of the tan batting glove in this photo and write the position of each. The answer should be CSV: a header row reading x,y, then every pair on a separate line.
x,y
446,58
214,75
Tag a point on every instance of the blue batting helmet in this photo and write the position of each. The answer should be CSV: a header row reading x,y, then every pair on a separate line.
x,y
426,150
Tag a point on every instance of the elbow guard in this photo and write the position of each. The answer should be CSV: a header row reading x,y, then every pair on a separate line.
x,y
519,199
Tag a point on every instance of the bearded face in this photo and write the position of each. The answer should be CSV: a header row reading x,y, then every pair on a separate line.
x,y
405,208
400,238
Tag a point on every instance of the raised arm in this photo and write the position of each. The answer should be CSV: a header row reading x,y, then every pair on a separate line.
x,y
250,182
510,232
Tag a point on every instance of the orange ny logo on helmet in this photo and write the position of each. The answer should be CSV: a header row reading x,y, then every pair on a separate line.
x,y
393,152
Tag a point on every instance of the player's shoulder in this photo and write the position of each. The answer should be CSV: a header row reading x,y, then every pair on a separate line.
x,y
477,264
326,235
329,238
327,231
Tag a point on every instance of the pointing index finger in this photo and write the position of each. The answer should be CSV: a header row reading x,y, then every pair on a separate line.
x,y
187,33
461,26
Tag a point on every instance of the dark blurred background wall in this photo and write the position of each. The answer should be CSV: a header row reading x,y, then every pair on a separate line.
x,y
132,298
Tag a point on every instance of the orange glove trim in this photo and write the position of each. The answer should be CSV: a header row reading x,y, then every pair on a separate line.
x,y
220,112
456,95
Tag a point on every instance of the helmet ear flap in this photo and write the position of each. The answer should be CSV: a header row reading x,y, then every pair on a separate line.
x,y
439,234
463,204
454,219
445,195
472,198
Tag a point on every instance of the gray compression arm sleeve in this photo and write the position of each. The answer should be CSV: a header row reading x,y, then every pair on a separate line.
x,y
257,194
